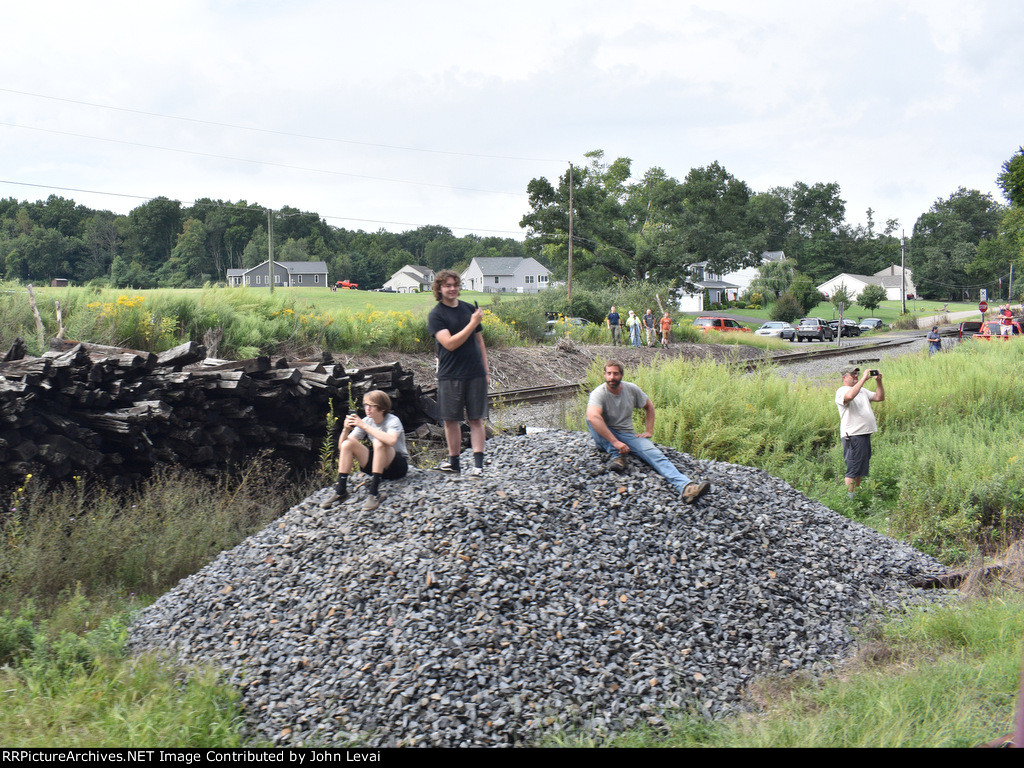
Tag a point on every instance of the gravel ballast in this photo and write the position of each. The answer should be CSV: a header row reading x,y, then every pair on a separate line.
x,y
545,595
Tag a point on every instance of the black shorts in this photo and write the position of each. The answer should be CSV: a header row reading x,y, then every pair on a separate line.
x,y
455,396
398,468
857,454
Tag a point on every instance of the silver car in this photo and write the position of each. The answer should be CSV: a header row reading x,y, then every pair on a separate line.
x,y
784,331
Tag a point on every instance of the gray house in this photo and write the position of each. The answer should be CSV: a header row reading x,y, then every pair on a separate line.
x,y
506,275
287,274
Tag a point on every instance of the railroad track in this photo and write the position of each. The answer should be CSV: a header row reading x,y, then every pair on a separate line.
x,y
527,395
830,351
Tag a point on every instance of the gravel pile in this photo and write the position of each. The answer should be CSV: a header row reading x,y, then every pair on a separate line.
x,y
545,595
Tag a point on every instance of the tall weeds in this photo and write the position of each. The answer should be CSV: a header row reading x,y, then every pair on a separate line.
x,y
54,541
947,470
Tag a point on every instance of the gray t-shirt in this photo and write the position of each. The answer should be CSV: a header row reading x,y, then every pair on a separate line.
x,y
617,410
393,426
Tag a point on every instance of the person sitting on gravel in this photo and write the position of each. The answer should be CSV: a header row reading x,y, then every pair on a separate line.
x,y
610,421
386,457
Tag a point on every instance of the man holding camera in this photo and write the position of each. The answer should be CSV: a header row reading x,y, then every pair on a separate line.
x,y
857,422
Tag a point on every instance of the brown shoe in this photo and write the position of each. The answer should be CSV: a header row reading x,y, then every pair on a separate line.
x,y
334,498
371,503
694,491
618,464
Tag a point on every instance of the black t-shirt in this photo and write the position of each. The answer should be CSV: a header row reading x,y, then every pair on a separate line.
x,y
466,362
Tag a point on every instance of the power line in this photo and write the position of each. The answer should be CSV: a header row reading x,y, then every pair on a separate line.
x,y
259,162
197,203
279,133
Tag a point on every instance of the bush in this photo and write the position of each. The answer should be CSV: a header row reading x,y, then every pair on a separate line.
x,y
786,308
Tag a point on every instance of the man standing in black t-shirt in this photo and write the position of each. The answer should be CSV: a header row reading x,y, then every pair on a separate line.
x,y
462,369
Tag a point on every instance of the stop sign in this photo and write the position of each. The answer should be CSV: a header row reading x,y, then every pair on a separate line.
x,y
983,306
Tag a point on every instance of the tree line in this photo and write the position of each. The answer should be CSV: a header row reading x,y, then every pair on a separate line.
x,y
624,228
656,227
162,243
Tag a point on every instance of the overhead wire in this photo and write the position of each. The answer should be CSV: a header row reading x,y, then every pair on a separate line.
x,y
259,162
279,133
214,204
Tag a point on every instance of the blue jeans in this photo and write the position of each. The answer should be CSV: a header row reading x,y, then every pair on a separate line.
x,y
647,452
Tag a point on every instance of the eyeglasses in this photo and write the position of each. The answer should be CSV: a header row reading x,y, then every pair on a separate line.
x,y
368,406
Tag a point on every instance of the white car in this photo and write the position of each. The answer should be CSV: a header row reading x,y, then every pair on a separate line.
x,y
782,330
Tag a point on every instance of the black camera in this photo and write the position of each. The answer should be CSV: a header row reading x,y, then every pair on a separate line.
x,y
873,372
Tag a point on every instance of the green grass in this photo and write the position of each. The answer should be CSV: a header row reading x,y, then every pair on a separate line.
x,y
946,473
79,688
943,678
75,563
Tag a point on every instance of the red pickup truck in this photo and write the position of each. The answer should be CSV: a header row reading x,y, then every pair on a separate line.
x,y
993,329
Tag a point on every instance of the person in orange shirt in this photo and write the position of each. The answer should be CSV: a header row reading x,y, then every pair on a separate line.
x,y
666,329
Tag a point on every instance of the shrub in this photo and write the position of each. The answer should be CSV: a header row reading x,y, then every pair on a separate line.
x,y
786,308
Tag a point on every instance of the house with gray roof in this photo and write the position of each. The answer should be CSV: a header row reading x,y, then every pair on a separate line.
x,y
890,278
410,279
287,274
506,275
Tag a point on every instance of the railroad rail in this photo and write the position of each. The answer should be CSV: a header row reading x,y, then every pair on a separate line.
x,y
510,397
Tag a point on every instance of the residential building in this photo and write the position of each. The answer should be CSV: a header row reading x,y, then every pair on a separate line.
x,y
890,278
295,274
721,287
506,275
410,279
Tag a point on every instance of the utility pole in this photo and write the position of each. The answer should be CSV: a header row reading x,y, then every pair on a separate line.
x,y
569,276
903,269
270,249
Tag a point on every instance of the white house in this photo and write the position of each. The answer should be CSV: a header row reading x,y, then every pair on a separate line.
x,y
307,274
703,280
410,279
506,275
890,278
742,278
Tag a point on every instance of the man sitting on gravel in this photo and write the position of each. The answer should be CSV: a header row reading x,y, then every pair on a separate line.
x,y
610,421
386,458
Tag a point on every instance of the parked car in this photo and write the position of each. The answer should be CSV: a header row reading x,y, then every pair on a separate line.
x,y
872,324
561,325
719,324
783,331
850,328
814,328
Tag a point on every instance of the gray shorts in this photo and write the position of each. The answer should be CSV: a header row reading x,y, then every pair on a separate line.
x,y
455,396
857,454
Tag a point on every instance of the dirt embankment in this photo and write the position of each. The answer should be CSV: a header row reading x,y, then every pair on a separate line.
x,y
566,363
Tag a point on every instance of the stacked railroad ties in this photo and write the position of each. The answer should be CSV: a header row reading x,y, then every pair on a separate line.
x,y
118,413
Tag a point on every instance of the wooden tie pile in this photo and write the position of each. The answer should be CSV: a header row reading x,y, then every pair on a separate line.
x,y
117,413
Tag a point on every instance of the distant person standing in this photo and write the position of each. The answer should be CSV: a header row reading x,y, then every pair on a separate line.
x,y
614,323
934,341
634,325
1006,320
649,327
857,422
462,369
666,329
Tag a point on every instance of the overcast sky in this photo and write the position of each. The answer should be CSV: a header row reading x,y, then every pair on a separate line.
x,y
400,114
